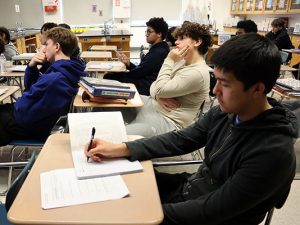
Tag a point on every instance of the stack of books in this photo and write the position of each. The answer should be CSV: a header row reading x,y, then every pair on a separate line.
x,y
289,87
105,91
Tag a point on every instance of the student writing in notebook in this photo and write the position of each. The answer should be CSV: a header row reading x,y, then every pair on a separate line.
x,y
47,95
249,162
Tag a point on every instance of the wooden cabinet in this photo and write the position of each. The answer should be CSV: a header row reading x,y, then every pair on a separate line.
x,y
294,6
27,43
295,57
122,42
240,7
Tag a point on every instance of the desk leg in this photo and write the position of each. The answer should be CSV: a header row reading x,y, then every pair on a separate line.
x,y
21,85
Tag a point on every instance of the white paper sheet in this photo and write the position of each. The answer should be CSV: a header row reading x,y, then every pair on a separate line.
x,y
110,127
60,188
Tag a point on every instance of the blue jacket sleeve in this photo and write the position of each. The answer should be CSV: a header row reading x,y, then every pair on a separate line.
x,y
31,76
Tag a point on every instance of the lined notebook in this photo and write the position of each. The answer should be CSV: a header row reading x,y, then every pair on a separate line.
x,y
110,127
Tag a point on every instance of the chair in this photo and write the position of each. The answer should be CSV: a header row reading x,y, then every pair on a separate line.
x,y
284,60
284,57
15,187
60,126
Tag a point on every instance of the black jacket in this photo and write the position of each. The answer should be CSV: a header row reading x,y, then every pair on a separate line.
x,y
281,39
146,72
250,166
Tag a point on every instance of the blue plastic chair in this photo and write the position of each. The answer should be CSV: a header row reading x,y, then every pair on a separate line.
x,y
14,189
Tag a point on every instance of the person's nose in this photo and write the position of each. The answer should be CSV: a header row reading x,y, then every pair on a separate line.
x,y
216,89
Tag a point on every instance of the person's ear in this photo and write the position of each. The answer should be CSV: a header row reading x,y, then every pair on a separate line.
x,y
198,43
57,47
259,89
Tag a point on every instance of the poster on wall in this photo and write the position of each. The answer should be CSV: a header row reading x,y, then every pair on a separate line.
x,y
50,6
121,8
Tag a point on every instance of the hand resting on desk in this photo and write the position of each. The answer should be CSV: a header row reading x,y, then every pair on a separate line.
x,y
103,149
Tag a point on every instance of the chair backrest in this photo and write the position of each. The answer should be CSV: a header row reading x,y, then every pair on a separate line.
x,y
18,182
284,57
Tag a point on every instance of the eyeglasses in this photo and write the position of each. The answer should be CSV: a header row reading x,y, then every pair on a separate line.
x,y
149,31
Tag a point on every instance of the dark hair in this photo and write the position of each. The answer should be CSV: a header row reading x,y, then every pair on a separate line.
x,y
195,31
159,25
278,23
47,26
67,40
2,46
251,58
170,38
64,25
247,25
6,33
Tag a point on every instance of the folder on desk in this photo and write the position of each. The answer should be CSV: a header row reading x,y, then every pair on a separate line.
x,y
110,127
107,92
91,81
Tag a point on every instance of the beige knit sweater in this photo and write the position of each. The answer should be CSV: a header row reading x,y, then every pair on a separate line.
x,y
188,84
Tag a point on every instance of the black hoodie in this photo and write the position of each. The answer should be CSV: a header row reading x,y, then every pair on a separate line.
x,y
251,166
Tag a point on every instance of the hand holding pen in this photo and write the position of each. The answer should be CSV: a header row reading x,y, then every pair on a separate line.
x,y
91,142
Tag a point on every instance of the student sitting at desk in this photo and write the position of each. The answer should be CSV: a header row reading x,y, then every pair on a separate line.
x,y
9,49
47,95
279,35
181,87
249,162
146,72
246,26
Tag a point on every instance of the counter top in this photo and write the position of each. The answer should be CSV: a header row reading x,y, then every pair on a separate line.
x,y
26,33
98,33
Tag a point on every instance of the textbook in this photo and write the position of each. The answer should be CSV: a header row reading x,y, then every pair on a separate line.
x,y
104,83
107,92
109,126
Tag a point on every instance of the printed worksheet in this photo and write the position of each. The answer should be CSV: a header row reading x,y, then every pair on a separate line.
x,y
61,188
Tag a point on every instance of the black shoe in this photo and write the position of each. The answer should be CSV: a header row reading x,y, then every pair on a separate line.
x,y
3,80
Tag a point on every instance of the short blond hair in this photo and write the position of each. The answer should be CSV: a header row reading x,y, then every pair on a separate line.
x,y
67,40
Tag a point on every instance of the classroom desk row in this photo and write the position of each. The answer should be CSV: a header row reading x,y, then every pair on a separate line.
x,y
142,206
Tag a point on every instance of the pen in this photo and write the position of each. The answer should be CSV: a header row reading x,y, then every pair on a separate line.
x,y
91,142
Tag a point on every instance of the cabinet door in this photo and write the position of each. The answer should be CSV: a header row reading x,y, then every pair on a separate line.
x,y
241,6
269,6
233,6
295,6
259,6
281,6
249,6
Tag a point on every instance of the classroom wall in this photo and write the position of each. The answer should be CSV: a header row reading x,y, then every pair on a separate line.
x,y
30,14
76,12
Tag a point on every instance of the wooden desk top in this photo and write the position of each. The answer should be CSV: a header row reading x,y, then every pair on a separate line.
x,y
95,54
10,91
284,68
135,102
282,95
10,73
104,48
117,66
141,207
